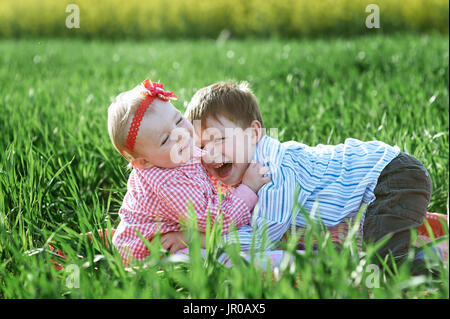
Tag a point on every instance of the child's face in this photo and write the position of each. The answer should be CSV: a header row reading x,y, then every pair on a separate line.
x,y
229,148
165,138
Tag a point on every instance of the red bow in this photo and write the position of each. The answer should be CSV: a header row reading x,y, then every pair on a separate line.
x,y
156,90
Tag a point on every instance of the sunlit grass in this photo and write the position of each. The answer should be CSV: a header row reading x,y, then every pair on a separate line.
x,y
60,175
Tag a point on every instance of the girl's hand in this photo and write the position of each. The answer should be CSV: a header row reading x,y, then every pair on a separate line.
x,y
173,241
254,176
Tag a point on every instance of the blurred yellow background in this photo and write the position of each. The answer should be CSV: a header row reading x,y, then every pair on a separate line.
x,y
206,18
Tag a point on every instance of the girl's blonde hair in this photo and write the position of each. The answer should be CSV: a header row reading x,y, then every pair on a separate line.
x,y
120,115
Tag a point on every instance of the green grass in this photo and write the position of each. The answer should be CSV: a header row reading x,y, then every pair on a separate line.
x,y
60,175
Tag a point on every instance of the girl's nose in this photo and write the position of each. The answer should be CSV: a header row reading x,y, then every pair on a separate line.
x,y
179,135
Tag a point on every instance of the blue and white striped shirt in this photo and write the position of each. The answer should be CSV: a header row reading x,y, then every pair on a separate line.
x,y
339,177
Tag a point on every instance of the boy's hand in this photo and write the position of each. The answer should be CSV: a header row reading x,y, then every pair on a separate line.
x,y
254,176
173,241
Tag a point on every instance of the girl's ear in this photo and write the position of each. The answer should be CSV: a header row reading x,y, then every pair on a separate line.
x,y
140,163
257,131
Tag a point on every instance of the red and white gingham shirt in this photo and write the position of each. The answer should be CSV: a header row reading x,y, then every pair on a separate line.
x,y
157,198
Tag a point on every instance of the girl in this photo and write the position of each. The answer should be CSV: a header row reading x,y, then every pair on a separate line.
x,y
157,141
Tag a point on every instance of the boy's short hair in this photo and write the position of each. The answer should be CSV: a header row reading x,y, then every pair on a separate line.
x,y
234,101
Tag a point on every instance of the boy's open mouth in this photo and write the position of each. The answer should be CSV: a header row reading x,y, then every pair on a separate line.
x,y
224,169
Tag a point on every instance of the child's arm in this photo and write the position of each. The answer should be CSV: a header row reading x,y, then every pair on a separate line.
x,y
274,209
236,207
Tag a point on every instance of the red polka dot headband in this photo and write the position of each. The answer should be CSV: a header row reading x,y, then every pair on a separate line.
x,y
154,91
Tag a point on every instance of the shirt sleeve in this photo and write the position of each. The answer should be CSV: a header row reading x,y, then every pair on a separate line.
x,y
274,210
236,207
128,243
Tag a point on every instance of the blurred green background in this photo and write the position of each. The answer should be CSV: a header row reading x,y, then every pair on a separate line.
x,y
205,18
319,74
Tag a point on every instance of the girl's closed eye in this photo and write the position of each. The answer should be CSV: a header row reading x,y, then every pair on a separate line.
x,y
166,136
165,139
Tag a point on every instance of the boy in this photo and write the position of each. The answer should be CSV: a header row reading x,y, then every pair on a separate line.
x,y
395,186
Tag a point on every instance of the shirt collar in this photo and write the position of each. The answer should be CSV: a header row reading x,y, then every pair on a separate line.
x,y
268,150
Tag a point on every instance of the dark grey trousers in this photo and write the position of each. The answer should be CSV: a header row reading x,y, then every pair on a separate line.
x,y
403,192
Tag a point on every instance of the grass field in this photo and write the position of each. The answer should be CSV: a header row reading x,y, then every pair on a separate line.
x,y
60,175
